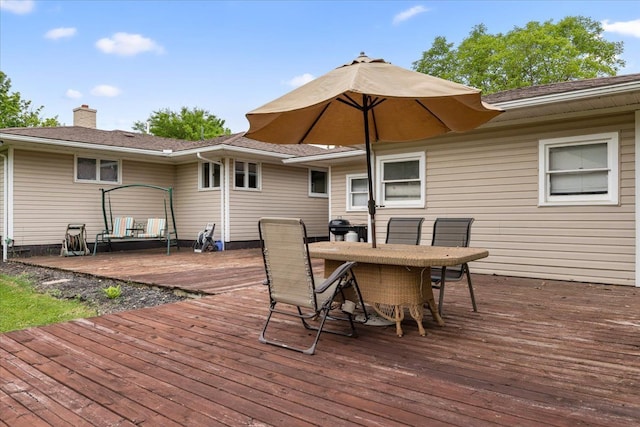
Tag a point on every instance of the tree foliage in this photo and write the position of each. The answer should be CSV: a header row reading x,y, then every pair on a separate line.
x,y
538,53
188,124
17,112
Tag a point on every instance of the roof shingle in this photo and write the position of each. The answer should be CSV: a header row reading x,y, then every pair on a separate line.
x,y
119,138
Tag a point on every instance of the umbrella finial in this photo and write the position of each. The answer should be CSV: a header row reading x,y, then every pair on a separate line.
x,y
363,58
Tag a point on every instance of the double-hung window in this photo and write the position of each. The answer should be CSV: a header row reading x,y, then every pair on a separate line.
x,y
247,175
209,175
318,183
357,192
580,170
401,180
90,169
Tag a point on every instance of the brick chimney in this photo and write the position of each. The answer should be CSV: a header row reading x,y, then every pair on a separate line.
x,y
84,116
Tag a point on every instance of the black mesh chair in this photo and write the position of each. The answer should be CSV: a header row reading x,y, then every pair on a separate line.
x,y
452,232
404,231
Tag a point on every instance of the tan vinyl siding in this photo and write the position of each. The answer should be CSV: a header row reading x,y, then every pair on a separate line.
x,y
284,192
46,198
195,208
494,178
339,191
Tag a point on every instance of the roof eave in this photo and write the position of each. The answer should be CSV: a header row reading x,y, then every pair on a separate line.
x,y
156,153
325,157
84,145
568,96
224,148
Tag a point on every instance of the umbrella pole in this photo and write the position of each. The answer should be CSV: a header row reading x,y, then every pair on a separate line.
x,y
367,143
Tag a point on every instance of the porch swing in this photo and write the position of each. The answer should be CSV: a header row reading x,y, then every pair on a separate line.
x,y
125,228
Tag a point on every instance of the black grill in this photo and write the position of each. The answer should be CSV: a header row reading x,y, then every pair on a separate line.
x,y
339,226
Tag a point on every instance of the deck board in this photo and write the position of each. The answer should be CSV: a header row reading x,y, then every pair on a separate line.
x,y
537,353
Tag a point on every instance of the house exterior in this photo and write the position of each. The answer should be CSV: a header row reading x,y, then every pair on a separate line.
x,y
552,182
51,177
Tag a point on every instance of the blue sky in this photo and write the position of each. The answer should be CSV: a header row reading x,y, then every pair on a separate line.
x,y
127,59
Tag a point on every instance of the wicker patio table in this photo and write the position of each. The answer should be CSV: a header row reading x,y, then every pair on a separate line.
x,y
394,276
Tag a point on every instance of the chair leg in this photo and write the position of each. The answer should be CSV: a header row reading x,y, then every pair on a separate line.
x,y
352,284
324,314
473,298
310,350
441,296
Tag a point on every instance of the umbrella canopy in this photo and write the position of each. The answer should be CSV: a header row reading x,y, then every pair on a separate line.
x,y
367,101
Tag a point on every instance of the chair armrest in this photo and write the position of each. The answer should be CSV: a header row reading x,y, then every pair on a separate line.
x,y
337,274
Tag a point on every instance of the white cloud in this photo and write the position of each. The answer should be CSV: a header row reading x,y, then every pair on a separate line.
x,y
408,14
300,80
626,28
126,44
21,7
59,33
73,94
105,90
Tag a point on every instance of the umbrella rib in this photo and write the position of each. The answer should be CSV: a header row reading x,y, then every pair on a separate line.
x,y
313,124
375,124
432,113
369,107
350,102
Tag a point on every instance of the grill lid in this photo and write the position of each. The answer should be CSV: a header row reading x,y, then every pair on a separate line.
x,y
337,222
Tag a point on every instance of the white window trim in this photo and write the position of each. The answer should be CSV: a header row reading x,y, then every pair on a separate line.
x,y
246,176
200,173
421,157
612,196
97,159
350,207
321,195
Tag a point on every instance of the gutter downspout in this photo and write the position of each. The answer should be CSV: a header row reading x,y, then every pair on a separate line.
x,y
223,217
227,202
637,185
5,209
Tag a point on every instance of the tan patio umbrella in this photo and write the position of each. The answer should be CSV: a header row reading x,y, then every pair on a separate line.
x,y
368,101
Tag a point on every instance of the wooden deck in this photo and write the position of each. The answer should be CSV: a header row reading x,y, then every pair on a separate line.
x,y
537,353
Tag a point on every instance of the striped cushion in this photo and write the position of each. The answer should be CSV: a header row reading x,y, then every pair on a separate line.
x,y
155,228
122,227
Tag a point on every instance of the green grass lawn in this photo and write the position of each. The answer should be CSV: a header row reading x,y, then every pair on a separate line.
x,y
22,307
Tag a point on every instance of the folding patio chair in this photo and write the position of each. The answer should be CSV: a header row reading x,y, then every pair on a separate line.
x,y
405,231
452,232
292,284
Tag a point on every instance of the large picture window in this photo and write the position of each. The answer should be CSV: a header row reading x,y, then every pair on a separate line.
x,y
90,169
247,175
579,170
357,192
402,180
210,176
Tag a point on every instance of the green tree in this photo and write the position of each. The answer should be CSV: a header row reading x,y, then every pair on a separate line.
x,y
17,112
186,124
538,53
